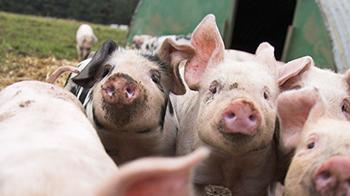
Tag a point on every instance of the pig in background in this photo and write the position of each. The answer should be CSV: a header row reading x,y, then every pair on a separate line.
x,y
85,39
231,109
150,44
321,163
50,148
126,96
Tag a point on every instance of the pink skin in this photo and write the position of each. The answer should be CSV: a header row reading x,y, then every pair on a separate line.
x,y
334,174
120,91
241,117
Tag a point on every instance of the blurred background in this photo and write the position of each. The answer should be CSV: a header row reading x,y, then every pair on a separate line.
x,y
36,36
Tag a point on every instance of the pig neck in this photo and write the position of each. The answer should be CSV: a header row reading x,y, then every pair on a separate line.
x,y
126,145
239,173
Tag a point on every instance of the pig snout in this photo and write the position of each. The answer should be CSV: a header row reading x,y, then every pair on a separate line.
x,y
120,90
241,117
333,177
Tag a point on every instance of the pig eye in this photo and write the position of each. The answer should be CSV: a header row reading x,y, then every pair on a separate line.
x,y
106,70
310,145
345,108
266,93
213,88
155,76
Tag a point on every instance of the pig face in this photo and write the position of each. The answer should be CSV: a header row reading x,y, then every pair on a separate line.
x,y
333,87
130,90
236,105
321,164
86,46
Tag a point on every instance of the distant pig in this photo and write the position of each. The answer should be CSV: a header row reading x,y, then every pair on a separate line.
x,y
147,43
230,108
321,164
48,146
85,38
126,96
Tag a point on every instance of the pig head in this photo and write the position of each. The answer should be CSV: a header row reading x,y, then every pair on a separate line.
x,y
127,98
321,163
333,87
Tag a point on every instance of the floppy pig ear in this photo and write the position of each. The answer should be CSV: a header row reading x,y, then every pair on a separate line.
x,y
94,69
209,49
155,176
173,53
290,73
293,108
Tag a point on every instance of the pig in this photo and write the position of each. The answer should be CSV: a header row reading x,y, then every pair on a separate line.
x,y
126,96
230,108
333,87
85,39
321,163
150,44
48,146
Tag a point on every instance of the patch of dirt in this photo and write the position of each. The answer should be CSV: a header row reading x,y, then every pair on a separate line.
x,y
18,68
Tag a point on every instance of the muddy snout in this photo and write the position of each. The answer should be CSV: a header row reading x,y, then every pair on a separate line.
x,y
333,177
121,89
241,117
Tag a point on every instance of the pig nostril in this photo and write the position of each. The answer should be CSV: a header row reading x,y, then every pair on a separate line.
x,y
252,117
325,175
231,115
129,92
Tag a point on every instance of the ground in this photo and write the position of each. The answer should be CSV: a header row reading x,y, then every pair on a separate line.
x,y
32,47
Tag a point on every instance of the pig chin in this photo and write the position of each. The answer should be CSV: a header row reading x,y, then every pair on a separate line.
x,y
233,144
123,115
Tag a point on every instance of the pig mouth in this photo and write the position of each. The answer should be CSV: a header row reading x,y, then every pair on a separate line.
x,y
123,115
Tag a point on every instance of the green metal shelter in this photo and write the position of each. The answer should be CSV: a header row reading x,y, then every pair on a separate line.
x,y
319,28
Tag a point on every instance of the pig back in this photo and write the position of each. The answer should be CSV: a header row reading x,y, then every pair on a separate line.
x,y
48,145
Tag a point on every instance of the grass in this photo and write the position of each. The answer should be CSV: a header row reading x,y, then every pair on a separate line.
x,y
24,37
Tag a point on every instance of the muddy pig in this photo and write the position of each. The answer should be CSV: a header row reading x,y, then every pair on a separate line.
x,y
321,164
126,96
231,109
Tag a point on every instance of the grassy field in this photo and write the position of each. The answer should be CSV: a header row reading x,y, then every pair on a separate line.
x,y
31,46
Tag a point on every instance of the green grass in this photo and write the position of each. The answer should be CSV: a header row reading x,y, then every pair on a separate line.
x,y
25,35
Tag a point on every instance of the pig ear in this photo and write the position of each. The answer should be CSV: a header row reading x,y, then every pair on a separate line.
x,y
94,69
266,53
293,108
290,73
209,50
347,77
155,176
173,53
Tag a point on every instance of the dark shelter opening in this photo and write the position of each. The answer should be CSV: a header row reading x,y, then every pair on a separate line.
x,y
262,20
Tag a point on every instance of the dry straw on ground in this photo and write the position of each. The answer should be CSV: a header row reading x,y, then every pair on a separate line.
x,y
18,68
